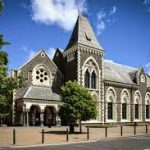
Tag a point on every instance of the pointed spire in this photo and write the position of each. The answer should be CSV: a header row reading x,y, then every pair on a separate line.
x,y
83,34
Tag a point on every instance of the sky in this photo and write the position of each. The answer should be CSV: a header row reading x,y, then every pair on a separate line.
x,y
122,28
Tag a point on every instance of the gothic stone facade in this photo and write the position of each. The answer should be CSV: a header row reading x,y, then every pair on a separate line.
x,y
122,93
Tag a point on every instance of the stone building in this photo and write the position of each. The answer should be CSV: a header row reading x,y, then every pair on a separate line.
x,y
122,93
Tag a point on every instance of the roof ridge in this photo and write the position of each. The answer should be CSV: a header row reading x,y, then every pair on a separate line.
x,y
28,60
119,64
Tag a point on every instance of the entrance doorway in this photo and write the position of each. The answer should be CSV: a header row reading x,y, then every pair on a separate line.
x,y
49,116
34,118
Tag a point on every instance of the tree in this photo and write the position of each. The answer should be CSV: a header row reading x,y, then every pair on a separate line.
x,y
7,83
78,104
1,6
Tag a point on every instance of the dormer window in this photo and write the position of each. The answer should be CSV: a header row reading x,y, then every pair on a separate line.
x,y
42,54
87,37
142,78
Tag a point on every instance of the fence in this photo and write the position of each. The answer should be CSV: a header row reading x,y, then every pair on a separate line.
x,y
37,135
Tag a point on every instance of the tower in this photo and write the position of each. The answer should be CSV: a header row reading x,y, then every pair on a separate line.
x,y
83,59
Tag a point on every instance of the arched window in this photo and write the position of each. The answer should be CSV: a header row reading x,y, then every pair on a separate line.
x,y
90,76
136,111
147,112
124,111
87,79
111,105
93,80
147,106
110,108
142,78
137,105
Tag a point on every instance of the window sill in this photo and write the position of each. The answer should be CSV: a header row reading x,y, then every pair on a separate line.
x,y
93,89
125,120
137,120
110,120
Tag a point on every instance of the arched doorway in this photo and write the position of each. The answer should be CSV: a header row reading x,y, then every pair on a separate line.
x,y
49,116
34,118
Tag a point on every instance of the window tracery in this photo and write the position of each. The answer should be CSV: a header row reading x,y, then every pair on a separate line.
x,y
41,76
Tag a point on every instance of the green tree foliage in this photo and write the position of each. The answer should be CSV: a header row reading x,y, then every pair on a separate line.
x,y
78,104
7,83
1,6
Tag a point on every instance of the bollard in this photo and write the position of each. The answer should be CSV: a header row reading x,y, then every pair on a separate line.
x,y
88,137
42,136
134,129
14,136
146,128
67,135
105,131
121,130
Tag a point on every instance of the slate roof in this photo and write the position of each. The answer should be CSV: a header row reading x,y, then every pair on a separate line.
x,y
83,34
121,73
39,92
34,55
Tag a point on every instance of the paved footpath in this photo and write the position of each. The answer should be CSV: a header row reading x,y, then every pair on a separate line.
x,y
33,136
132,143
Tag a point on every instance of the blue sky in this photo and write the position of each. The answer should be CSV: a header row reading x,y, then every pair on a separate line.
x,y
121,26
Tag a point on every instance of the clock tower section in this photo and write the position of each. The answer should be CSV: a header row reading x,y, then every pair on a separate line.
x,y
83,62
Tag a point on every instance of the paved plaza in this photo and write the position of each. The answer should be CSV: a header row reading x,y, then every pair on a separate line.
x,y
33,135
130,143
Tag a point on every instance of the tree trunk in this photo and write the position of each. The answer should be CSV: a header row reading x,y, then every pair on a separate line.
x,y
80,126
71,128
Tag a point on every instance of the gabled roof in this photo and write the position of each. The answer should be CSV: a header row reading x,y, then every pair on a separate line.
x,y
36,54
83,34
122,73
38,92
118,73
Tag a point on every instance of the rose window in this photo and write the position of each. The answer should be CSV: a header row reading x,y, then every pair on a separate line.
x,y
41,75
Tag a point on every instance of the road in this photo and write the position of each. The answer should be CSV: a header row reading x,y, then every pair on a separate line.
x,y
132,143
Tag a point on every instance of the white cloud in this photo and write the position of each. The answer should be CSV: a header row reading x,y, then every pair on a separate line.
x,y
24,48
100,27
61,12
113,10
24,5
103,18
108,60
31,54
101,14
147,4
51,52
148,68
148,65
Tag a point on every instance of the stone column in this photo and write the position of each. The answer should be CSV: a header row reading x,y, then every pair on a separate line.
x,y
24,115
24,119
42,118
27,118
